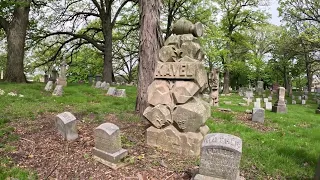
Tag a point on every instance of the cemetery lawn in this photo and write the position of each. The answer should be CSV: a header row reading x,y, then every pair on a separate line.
x,y
286,146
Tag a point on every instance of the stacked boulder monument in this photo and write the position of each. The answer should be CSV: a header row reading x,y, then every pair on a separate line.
x,y
177,111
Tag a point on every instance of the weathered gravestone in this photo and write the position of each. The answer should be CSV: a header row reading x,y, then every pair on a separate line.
x,y
108,149
106,87
98,84
49,86
111,91
62,80
66,124
280,105
258,115
268,105
120,93
303,102
176,110
257,104
294,102
299,97
259,88
103,85
265,100
58,90
220,157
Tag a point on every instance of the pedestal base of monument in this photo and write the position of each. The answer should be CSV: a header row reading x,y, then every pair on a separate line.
x,y
279,108
203,177
170,139
111,160
62,82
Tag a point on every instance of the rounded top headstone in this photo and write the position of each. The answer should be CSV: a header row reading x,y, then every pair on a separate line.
x,y
223,141
109,128
66,117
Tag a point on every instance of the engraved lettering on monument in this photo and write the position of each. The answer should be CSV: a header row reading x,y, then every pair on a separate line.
x,y
220,156
172,70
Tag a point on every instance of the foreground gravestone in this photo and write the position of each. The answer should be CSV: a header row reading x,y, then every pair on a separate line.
x,y
258,115
220,157
66,124
108,149
58,90
49,86
280,105
111,91
176,110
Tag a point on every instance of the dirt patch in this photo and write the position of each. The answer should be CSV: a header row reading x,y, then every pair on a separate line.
x,y
245,118
41,149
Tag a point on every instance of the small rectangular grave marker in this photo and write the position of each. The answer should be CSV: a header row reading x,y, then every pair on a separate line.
x,y
268,106
120,93
258,115
66,125
98,84
220,157
111,91
257,104
49,86
108,149
58,90
303,102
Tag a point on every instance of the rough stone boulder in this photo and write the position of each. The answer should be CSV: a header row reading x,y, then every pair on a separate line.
x,y
159,116
191,116
159,93
173,40
169,53
192,50
184,90
170,139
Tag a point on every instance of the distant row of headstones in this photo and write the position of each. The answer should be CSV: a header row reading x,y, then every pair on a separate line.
x,y
58,90
111,91
220,153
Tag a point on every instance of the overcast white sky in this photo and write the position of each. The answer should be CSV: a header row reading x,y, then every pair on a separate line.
x,y
272,9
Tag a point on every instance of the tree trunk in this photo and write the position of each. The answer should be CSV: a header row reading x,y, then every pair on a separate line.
x,y
16,37
107,33
150,43
226,81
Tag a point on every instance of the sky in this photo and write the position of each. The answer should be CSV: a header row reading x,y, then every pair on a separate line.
x,y
272,9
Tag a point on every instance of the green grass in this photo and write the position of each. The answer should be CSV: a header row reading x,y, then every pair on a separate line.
x,y
289,150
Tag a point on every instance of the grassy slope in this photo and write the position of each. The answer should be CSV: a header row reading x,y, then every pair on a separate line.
x,y
289,151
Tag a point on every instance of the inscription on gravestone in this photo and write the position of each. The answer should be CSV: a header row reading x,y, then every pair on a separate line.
x,y
220,156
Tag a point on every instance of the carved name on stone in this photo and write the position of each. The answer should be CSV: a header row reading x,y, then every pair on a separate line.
x,y
220,156
171,70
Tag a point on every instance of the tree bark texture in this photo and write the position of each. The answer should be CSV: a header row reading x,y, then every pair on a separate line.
x,y
226,81
16,37
150,43
105,17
